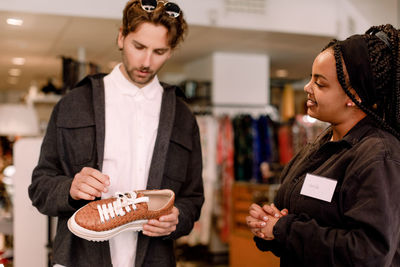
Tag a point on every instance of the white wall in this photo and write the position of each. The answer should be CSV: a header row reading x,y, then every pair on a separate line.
x,y
241,79
306,16
379,12
85,8
236,78
30,227
315,17
350,20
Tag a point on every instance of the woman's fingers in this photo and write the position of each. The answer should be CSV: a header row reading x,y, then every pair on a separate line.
x,y
272,210
254,223
284,212
257,212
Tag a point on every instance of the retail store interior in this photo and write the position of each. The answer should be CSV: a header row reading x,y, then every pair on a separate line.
x,y
243,64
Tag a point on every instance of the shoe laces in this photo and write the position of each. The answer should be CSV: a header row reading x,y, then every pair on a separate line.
x,y
126,200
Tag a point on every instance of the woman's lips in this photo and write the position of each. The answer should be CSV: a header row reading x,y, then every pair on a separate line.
x,y
311,103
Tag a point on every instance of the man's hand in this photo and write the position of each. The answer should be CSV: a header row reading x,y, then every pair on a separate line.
x,y
88,184
165,225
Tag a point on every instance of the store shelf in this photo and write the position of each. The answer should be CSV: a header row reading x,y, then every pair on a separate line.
x,y
45,99
241,239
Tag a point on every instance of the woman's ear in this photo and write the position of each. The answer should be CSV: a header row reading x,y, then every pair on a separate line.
x,y
354,93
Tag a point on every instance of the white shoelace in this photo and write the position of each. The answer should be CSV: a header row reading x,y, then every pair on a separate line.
x,y
124,200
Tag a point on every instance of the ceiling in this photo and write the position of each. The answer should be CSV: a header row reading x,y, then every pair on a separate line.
x,y
43,39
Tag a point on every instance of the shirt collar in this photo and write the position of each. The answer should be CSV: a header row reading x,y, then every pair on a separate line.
x,y
351,138
126,87
358,131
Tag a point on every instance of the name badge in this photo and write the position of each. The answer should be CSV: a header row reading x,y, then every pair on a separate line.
x,y
318,187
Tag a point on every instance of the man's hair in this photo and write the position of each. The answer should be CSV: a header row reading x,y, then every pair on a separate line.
x,y
134,16
384,59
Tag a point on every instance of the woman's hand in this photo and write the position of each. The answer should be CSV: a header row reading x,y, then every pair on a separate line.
x,y
261,221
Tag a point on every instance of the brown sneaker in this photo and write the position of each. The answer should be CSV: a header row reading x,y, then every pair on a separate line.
x,y
102,219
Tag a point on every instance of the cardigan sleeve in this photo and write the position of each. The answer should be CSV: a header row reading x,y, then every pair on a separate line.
x,y
49,190
191,197
268,245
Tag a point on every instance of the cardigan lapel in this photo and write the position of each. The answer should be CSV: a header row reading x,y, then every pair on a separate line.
x,y
99,116
98,97
167,116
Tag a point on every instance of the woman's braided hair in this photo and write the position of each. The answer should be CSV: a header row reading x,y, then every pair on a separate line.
x,y
385,65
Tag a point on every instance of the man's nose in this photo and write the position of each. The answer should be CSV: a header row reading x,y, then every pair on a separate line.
x,y
146,60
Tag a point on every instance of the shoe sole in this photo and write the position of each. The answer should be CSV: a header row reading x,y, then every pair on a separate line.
x,y
99,236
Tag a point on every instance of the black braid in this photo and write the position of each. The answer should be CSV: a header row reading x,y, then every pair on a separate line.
x,y
389,82
340,74
386,78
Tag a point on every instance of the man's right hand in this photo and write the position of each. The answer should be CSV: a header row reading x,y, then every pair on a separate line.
x,y
88,184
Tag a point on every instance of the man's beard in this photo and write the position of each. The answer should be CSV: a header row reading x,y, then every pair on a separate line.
x,y
139,80
130,71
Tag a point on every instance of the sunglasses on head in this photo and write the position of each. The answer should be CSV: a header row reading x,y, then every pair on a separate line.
x,y
171,9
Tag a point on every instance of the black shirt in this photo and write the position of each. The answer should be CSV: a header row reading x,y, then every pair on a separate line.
x,y
361,225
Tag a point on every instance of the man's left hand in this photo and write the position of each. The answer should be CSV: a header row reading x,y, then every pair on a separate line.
x,y
165,225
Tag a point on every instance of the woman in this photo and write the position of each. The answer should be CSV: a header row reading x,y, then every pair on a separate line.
x,y
340,196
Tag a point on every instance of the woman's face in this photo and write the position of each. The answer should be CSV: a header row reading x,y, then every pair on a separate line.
x,y
326,100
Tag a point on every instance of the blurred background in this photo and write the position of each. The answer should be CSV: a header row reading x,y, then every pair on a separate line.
x,y
242,67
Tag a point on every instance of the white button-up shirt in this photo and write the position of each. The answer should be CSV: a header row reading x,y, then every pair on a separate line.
x,y
131,121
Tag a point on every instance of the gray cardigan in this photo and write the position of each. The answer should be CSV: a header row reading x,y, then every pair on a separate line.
x,y
75,139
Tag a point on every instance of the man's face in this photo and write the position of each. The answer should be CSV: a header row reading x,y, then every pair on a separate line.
x,y
144,52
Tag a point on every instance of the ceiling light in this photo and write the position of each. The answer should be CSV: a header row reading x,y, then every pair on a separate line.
x,y
9,170
281,73
18,61
15,22
14,72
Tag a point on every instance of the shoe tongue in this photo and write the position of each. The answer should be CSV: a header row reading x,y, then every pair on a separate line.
x,y
138,194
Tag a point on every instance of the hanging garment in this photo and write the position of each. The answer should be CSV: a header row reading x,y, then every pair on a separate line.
x,y
256,159
264,148
285,144
208,127
243,141
225,161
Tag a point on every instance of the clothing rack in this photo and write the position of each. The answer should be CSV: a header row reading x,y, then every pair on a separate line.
x,y
254,110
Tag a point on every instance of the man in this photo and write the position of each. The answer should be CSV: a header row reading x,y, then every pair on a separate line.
x,y
121,132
